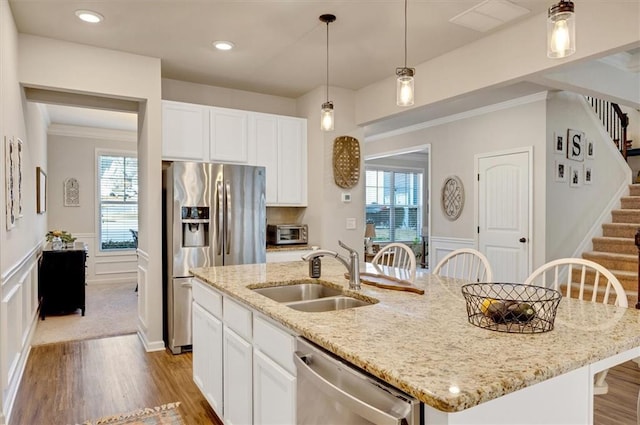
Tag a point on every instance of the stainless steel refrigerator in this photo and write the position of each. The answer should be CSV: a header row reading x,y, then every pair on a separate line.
x,y
215,215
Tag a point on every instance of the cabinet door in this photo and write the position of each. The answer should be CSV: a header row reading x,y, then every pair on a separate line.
x,y
185,131
229,139
266,141
207,356
237,380
292,161
274,392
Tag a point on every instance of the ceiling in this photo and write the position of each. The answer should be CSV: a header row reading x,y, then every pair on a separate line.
x,y
280,45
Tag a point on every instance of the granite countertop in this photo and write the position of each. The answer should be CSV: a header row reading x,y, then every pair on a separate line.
x,y
294,247
424,344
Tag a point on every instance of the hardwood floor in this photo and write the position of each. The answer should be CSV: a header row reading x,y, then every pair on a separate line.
x,y
71,382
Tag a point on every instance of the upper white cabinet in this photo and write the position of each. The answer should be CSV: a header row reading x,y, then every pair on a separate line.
x,y
281,147
185,131
229,135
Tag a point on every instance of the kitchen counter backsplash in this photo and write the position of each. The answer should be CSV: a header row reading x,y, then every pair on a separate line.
x,y
288,247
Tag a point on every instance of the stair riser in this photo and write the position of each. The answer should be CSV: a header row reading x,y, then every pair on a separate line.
x,y
615,247
630,203
625,216
619,231
634,190
614,264
630,284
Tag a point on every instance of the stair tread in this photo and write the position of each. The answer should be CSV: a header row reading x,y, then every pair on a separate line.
x,y
634,225
611,255
614,238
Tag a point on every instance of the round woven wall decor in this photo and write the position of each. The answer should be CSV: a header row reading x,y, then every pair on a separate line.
x,y
346,161
452,197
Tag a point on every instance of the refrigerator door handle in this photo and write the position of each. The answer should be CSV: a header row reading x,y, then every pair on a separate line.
x,y
219,216
228,223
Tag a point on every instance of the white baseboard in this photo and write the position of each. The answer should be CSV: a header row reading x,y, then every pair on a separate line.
x,y
150,345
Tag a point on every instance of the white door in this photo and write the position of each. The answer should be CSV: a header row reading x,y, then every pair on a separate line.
x,y
274,392
207,356
503,214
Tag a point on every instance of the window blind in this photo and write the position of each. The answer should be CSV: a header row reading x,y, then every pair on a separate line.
x,y
118,200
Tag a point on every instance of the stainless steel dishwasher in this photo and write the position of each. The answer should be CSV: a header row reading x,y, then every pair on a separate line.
x,y
332,391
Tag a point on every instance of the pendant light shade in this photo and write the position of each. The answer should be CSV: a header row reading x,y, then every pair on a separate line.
x,y
326,113
404,83
561,30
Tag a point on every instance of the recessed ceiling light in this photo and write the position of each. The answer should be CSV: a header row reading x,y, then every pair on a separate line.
x,y
89,16
223,45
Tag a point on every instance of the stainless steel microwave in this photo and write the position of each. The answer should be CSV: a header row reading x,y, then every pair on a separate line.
x,y
285,234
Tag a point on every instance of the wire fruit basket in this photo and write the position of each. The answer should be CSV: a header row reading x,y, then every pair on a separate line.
x,y
510,307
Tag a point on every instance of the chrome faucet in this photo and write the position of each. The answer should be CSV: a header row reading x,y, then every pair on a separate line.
x,y
352,263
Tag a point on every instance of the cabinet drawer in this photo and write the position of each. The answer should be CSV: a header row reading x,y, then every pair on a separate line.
x,y
275,343
237,317
207,297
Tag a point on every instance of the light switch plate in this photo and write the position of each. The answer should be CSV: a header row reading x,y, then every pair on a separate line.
x,y
346,197
351,223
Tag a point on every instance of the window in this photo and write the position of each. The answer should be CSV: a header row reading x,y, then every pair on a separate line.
x,y
118,201
394,204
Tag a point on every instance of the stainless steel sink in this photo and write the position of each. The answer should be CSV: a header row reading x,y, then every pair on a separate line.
x,y
298,292
329,304
311,297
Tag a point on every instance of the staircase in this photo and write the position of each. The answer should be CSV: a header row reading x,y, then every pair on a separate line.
x,y
616,249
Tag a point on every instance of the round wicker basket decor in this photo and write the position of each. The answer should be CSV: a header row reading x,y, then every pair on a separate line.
x,y
346,161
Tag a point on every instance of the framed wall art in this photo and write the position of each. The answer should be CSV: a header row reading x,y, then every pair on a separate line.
x,y
588,174
589,152
19,176
452,197
575,145
71,192
41,191
561,172
559,146
9,170
575,176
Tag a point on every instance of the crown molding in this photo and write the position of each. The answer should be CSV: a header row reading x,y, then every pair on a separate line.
x,y
92,133
461,116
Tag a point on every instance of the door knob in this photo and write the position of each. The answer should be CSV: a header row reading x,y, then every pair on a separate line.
x,y
523,240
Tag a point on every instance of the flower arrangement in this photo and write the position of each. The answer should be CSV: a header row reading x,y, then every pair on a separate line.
x,y
65,236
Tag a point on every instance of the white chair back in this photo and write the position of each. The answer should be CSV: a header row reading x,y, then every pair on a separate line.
x,y
465,263
397,255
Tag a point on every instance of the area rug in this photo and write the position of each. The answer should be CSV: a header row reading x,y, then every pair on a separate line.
x,y
160,415
111,309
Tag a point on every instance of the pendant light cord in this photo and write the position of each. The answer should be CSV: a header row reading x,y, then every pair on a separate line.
x,y
327,61
405,33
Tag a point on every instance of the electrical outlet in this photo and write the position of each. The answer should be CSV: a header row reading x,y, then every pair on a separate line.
x,y
351,223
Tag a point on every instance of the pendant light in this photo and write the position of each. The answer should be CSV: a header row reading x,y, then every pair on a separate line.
x,y
561,30
404,84
326,114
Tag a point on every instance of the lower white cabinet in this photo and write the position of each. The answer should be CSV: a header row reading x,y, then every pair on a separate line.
x,y
207,356
237,378
242,361
274,392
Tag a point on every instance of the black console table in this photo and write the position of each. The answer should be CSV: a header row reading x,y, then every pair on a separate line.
x,y
61,281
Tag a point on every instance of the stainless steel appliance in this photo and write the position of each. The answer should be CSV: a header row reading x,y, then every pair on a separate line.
x,y
215,215
286,234
332,391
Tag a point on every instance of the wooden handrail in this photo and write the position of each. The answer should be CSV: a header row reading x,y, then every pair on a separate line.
x,y
614,121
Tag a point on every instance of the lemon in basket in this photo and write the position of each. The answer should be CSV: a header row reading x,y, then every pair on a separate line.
x,y
486,304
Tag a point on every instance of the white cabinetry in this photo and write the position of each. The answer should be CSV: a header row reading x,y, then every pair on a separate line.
x,y
242,362
185,131
207,356
229,135
281,147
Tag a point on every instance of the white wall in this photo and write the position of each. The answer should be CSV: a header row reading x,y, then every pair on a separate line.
x,y
77,68
326,214
182,91
454,142
19,247
572,212
72,153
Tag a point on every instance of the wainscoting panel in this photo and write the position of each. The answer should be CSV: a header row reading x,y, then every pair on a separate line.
x,y
117,267
441,246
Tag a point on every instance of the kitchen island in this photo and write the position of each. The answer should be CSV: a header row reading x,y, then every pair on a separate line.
x,y
425,346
